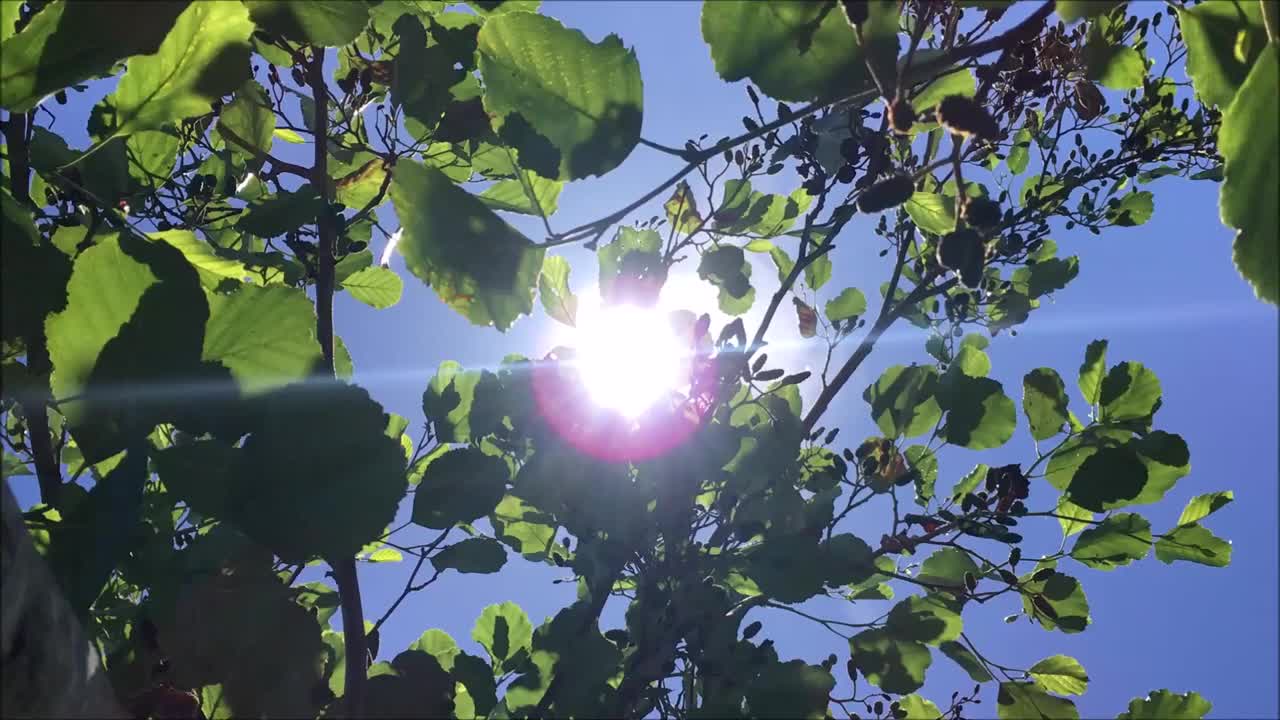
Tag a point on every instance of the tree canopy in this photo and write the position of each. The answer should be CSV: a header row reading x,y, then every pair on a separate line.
x,y
173,378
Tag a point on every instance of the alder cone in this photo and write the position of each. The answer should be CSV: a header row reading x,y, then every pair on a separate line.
x,y
956,249
1087,100
855,11
962,116
982,212
901,116
890,192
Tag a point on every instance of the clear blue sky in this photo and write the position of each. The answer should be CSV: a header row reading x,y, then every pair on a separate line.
x,y
1165,294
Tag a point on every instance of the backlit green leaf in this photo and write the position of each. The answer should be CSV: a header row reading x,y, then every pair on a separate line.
x,y
979,414
554,292
266,336
1060,674
376,286
474,555
54,50
1212,33
1167,705
314,22
891,664
933,213
790,690
204,56
1194,543
530,194
1118,540
570,106
478,264
1020,701
1201,506
903,401
1250,144
1044,400
462,485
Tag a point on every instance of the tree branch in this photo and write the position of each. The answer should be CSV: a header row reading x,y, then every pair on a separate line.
x,y
344,569
36,410
887,317
262,157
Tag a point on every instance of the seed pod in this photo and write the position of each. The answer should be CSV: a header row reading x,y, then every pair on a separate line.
x,y
1043,606
1087,101
750,631
1008,577
970,581
962,116
982,212
957,249
971,272
890,192
855,11
1043,574
901,115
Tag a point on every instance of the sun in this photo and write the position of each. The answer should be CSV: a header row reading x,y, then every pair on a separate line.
x,y
628,357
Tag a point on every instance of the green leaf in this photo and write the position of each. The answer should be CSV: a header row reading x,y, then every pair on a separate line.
x,y
266,336
628,240
1250,144
28,297
204,56
10,12
478,264
891,664
972,361
967,662
924,465
1194,543
523,528
135,315
727,268
94,538
1091,371
979,414
1118,540
460,486
1072,517
1020,154
1115,66
933,213
329,23
903,401
795,51
1060,674
1073,10
263,649
1133,209
957,82
377,286
438,644
966,484
474,555
384,554
1166,705
288,135
1044,400
212,265
530,194
476,676
788,568
54,51
360,186
947,567
817,272
337,496
1212,32
848,558
790,690
277,214
1129,392
1202,506
929,619
554,292
1021,701
503,630
1110,477
571,107
13,467
249,117
447,402
1064,595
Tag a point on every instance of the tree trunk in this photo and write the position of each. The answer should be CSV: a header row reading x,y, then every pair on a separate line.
x,y
50,669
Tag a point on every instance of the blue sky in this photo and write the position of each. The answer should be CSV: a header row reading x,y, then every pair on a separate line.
x,y
1164,294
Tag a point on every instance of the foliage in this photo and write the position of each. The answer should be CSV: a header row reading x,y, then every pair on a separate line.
x,y
161,345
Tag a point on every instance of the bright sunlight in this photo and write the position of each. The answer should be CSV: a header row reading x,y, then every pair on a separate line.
x,y
629,357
